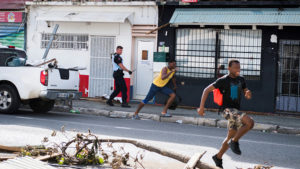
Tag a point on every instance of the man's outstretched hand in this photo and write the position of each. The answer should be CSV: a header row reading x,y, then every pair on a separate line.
x,y
201,111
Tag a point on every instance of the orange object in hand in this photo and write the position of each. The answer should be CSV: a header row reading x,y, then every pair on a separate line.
x,y
218,97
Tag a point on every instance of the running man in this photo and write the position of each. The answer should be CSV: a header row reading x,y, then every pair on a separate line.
x,y
159,85
231,86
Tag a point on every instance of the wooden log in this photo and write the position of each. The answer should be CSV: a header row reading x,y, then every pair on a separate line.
x,y
10,148
166,153
193,161
19,149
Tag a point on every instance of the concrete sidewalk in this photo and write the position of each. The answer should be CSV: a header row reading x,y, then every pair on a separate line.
x,y
266,122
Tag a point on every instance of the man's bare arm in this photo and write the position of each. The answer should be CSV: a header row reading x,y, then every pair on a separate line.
x,y
123,67
205,93
164,73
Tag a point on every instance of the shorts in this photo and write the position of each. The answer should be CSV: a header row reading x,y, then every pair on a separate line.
x,y
234,117
154,89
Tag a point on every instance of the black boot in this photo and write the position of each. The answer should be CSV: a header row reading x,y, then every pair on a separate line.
x,y
125,105
109,102
235,147
218,162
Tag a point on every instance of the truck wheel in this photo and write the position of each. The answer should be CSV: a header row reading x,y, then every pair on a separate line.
x,y
9,99
41,106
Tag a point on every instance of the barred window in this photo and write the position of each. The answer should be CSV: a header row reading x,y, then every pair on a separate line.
x,y
66,41
195,52
204,53
245,46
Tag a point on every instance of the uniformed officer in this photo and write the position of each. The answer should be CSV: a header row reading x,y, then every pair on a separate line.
x,y
118,74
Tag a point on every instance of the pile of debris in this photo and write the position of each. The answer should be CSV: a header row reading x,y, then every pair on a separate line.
x,y
88,149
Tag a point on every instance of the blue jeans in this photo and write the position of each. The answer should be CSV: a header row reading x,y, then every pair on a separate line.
x,y
154,89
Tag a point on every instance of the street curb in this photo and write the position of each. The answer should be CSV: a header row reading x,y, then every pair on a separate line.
x,y
288,130
210,122
265,127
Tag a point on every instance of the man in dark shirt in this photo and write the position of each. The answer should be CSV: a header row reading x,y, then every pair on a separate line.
x,y
118,74
231,86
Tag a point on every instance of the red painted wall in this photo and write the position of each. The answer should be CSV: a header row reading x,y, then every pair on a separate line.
x,y
84,85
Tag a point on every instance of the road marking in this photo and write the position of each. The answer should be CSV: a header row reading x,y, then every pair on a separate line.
x,y
156,131
20,117
124,128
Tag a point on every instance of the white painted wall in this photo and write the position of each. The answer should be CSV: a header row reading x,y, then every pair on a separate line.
x,y
69,58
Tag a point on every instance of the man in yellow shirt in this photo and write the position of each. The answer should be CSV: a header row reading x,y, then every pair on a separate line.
x,y
159,85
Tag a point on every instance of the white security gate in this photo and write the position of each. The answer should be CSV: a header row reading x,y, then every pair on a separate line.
x,y
288,83
101,81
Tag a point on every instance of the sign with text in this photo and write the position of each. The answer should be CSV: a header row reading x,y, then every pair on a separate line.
x,y
11,16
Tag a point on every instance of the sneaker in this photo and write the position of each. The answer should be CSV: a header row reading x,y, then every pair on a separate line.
x,y
235,147
136,117
109,102
166,115
125,105
218,162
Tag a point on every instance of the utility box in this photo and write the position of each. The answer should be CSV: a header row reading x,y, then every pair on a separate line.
x,y
160,56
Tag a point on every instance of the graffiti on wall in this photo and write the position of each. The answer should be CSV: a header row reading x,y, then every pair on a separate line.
x,y
11,29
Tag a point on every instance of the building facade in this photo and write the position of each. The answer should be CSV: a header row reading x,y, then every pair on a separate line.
x,y
87,36
264,36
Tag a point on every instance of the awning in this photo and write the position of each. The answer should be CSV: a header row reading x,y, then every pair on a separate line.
x,y
112,17
236,16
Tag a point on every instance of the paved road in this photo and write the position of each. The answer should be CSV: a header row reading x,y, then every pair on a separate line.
x,y
282,151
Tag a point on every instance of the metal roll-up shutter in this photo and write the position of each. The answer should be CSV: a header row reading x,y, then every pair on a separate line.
x,y
12,34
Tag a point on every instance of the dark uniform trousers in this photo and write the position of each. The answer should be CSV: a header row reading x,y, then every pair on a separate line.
x,y
120,86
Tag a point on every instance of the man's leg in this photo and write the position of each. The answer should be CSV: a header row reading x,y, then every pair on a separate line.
x,y
231,133
151,93
248,124
169,102
218,157
243,124
124,91
171,94
115,92
141,105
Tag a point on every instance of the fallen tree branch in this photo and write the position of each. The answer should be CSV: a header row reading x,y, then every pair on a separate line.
x,y
47,157
166,153
11,149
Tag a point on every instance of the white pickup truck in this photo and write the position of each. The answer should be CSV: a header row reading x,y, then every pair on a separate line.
x,y
38,86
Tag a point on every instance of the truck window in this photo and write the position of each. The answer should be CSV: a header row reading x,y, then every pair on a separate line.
x,y
6,53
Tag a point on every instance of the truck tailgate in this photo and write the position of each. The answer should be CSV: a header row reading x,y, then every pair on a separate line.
x,y
63,79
